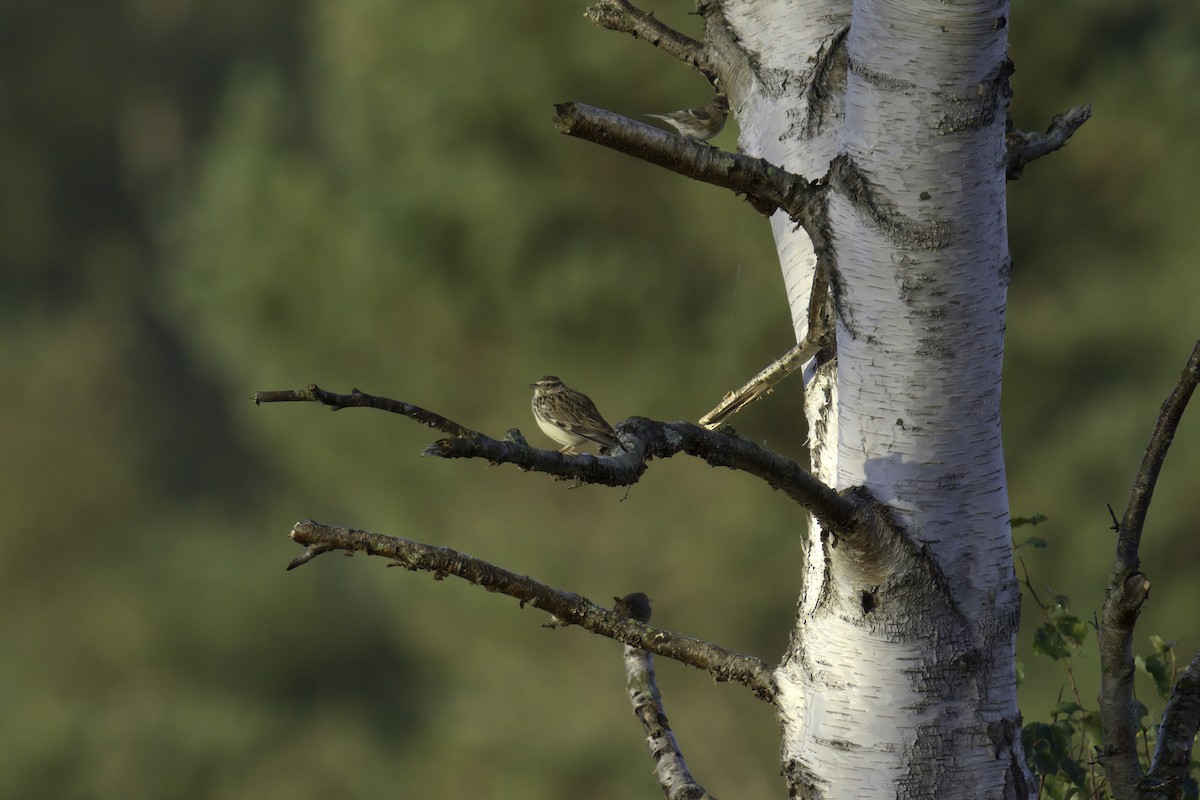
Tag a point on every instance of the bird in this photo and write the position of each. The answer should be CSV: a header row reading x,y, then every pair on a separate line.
x,y
700,123
570,417
635,606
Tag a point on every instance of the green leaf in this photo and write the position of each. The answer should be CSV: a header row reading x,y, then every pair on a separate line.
x,y
1157,667
1161,646
1067,707
1141,713
1036,542
1046,745
1036,519
1073,630
1090,722
1047,641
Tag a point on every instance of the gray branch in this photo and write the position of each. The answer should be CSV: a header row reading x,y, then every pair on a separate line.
x,y
669,765
767,187
842,513
1176,735
848,514
1023,146
764,382
356,399
722,664
624,17
1127,590
1130,537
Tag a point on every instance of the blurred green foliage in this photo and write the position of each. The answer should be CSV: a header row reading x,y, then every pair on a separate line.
x,y
204,200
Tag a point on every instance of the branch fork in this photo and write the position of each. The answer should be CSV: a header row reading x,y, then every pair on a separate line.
x,y
1127,590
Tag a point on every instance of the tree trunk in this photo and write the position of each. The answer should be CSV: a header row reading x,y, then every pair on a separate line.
x,y
899,679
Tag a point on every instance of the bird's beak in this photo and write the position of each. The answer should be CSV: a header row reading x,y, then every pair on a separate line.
x,y
533,386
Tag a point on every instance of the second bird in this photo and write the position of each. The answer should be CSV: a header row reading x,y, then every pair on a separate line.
x,y
570,417
700,123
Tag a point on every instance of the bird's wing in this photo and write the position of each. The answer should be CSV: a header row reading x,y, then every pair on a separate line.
x,y
597,435
592,432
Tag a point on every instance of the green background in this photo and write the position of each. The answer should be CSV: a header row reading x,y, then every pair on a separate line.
x,y
202,200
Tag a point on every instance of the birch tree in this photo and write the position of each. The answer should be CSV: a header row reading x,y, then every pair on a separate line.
x,y
876,138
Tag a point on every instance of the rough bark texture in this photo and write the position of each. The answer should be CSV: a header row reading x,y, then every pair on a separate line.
x,y
899,679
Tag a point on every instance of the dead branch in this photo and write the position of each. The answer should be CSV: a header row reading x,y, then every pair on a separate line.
x,y
1023,147
761,384
356,399
722,664
623,17
669,765
766,186
843,513
644,439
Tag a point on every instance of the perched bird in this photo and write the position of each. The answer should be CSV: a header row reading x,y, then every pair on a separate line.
x,y
635,606
570,417
700,123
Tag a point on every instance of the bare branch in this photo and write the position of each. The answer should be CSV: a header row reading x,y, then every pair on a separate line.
x,y
357,399
644,439
1176,734
761,384
722,664
623,17
1130,536
840,513
766,186
1127,590
1024,147
669,765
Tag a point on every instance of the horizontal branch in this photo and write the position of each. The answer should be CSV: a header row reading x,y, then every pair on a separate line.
x,y
840,513
1023,146
624,17
356,399
766,186
644,439
722,664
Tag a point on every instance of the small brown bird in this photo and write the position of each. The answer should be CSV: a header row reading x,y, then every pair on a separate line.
x,y
700,123
635,606
570,417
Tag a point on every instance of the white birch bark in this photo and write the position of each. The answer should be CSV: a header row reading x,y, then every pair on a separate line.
x,y
897,684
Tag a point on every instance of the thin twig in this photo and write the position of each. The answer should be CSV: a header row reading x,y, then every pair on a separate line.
x,y
1028,584
761,384
722,664
356,399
